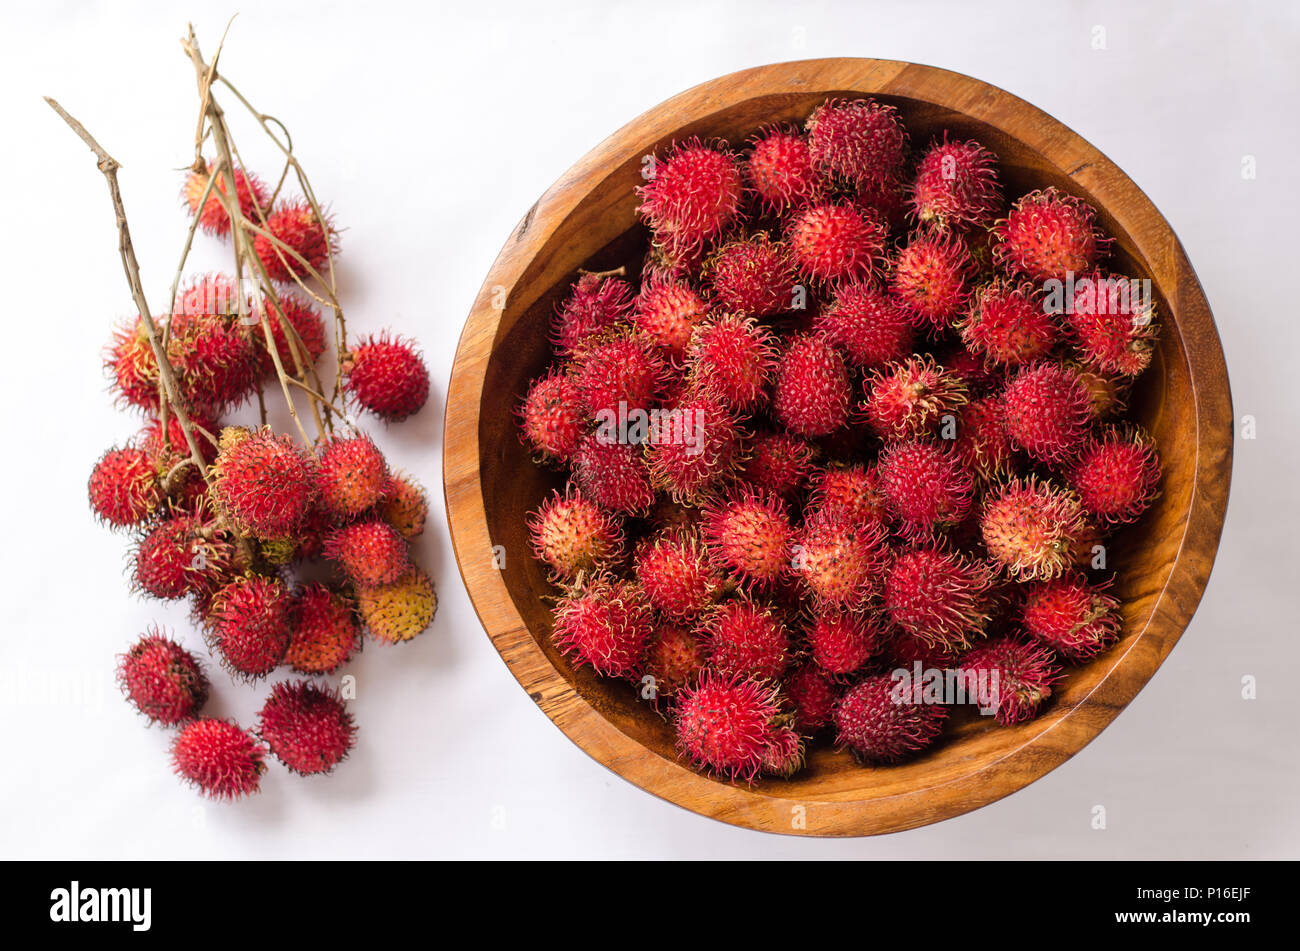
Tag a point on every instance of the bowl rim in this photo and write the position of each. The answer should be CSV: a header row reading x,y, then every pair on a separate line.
x,y
764,809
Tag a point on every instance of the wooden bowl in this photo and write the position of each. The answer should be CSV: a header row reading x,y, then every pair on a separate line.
x,y
587,219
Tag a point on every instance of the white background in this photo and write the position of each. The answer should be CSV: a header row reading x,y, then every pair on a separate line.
x,y
431,133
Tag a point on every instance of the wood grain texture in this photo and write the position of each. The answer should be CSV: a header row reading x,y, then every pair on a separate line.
x,y
587,219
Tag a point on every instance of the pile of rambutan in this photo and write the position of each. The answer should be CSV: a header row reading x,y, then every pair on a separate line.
x,y
855,415
290,548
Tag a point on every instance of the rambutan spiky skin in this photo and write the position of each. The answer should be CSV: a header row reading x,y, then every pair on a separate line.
x,y
1032,528
853,492
906,650
779,170
724,724
910,398
179,556
929,279
1076,619
351,475
673,659
324,633
668,312
840,560
866,324
1116,475
162,680
404,506
613,475
691,463
956,186
1046,411
812,391
695,194
1025,673
570,533
832,243
842,642
298,348
784,755
749,537
1112,320
939,596
1006,324
734,357
612,370
124,487
925,486
813,694
301,236
856,143
170,449
219,758
777,463
983,444
249,620
746,639
216,364
594,304
131,367
249,189
387,376
673,570
1108,393
1048,235
752,275
265,481
306,726
399,611
606,624
980,378
881,725
370,552
552,418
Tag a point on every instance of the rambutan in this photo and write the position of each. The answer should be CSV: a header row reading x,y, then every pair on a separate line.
x,y
605,623
779,170
929,279
1006,324
249,621
180,555
1048,235
370,552
266,482
925,486
880,723
570,533
813,694
215,362
749,536
982,443
812,392
399,611
956,185
404,506
162,679
735,357
858,143
833,243
1022,671
673,570
220,758
673,659
668,312
551,417
853,492
616,372
1046,411
131,366
866,324
842,642
778,463
939,596
595,303
725,723
324,633
173,447
301,242
1113,322
1031,528
387,376
784,755
249,189
124,487
746,639
840,560
298,348
906,650
689,458
352,475
1076,619
613,475
694,194
752,275
910,398
306,726
1108,393
972,370
1115,475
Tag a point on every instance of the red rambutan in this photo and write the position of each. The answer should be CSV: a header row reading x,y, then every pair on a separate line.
x,y
939,596
551,417
668,312
881,723
673,660
306,726
673,570
265,481
746,639
301,242
213,218
841,642
1006,324
570,533
1115,475
370,552
858,143
749,537
812,391
866,324
605,623
813,695
752,275
1048,235
1113,322
249,620
613,475
929,279
387,376
910,398
616,372
301,346
162,679
779,169
1046,411
132,369
724,724
853,492
124,487
735,357
693,195
595,303
324,633
956,185
982,443
833,243
925,486
1032,528
173,447
352,475
840,560
1076,619
1020,672
691,453
179,556
778,464
220,758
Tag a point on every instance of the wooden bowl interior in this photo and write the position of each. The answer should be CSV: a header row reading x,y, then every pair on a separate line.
x,y
603,232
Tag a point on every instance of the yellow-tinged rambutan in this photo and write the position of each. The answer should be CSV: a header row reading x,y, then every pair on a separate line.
x,y
399,611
